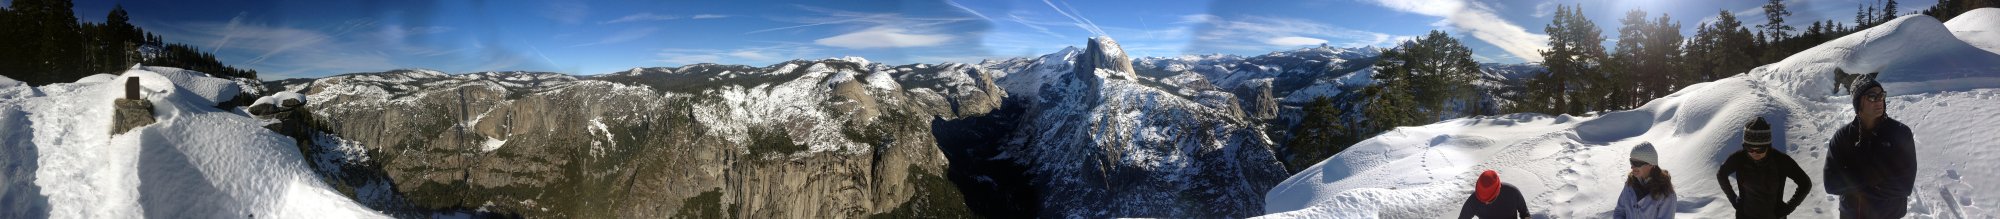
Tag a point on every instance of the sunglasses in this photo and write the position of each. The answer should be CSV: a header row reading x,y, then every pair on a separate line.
x,y
1874,96
1757,150
1638,164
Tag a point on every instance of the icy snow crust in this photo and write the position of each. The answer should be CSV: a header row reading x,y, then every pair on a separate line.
x,y
196,161
1573,167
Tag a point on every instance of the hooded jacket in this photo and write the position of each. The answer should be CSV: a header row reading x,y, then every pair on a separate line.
x,y
1873,171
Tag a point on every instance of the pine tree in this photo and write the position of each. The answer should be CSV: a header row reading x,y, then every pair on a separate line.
x,y
1423,80
1646,61
1575,54
1319,136
47,45
1865,17
1697,51
1888,11
1626,73
1389,101
1775,12
1724,44
1664,47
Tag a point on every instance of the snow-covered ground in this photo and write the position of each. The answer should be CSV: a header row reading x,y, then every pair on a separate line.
x,y
1946,89
196,161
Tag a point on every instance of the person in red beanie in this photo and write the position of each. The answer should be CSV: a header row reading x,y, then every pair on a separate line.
x,y
1492,199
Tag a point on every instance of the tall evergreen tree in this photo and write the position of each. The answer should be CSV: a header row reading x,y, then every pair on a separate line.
x,y
1664,49
1888,11
1575,54
1775,13
1626,73
46,44
1320,135
1864,16
1722,48
1434,73
1646,60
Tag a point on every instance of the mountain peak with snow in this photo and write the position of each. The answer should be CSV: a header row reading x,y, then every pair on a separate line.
x,y
1104,53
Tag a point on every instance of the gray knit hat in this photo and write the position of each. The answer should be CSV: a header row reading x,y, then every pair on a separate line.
x,y
1757,133
1645,152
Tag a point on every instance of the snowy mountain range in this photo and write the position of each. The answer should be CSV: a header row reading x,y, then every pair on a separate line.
x,y
1084,132
1942,78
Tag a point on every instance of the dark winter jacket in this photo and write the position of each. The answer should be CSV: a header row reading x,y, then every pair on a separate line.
x,y
1509,205
1761,184
1872,171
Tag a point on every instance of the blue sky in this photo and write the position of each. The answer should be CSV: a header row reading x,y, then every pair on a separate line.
x,y
289,39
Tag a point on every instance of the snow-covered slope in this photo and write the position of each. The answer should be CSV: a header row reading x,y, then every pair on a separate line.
x,y
1571,167
196,161
1979,27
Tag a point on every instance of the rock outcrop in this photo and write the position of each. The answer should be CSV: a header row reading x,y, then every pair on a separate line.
x,y
1101,141
132,111
801,139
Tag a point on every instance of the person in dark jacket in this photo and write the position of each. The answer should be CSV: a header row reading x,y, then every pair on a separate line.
x,y
1492,199
1760,175
1872,162
1649,190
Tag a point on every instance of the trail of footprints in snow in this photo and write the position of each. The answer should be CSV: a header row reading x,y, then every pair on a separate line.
x,y
1573,162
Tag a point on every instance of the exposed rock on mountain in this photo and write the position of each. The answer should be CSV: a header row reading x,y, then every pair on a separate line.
x,y
801,139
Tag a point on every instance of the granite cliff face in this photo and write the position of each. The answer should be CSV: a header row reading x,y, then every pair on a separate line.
x,y
1083,132
1103,141
801,139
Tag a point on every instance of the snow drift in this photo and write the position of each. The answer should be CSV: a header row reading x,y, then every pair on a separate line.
x,y
1943,81
196,161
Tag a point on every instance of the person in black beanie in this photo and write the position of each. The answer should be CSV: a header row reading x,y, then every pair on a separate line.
x,y
1760,174
1872,162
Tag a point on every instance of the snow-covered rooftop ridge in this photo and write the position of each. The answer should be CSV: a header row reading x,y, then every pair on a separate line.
x,y
1571,167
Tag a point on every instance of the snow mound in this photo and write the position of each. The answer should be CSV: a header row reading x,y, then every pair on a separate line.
x,y
1573,167
280,97
1979,27
196,161
215,90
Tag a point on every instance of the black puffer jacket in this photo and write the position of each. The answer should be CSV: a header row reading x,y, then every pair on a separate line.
x,y
1873,171
1762,183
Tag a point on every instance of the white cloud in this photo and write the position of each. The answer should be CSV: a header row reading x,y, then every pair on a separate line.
x,y
1545,9
708,16
1478,21
883,37
1436,8
1294,41
622,36
1262,34
643,16
747,55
